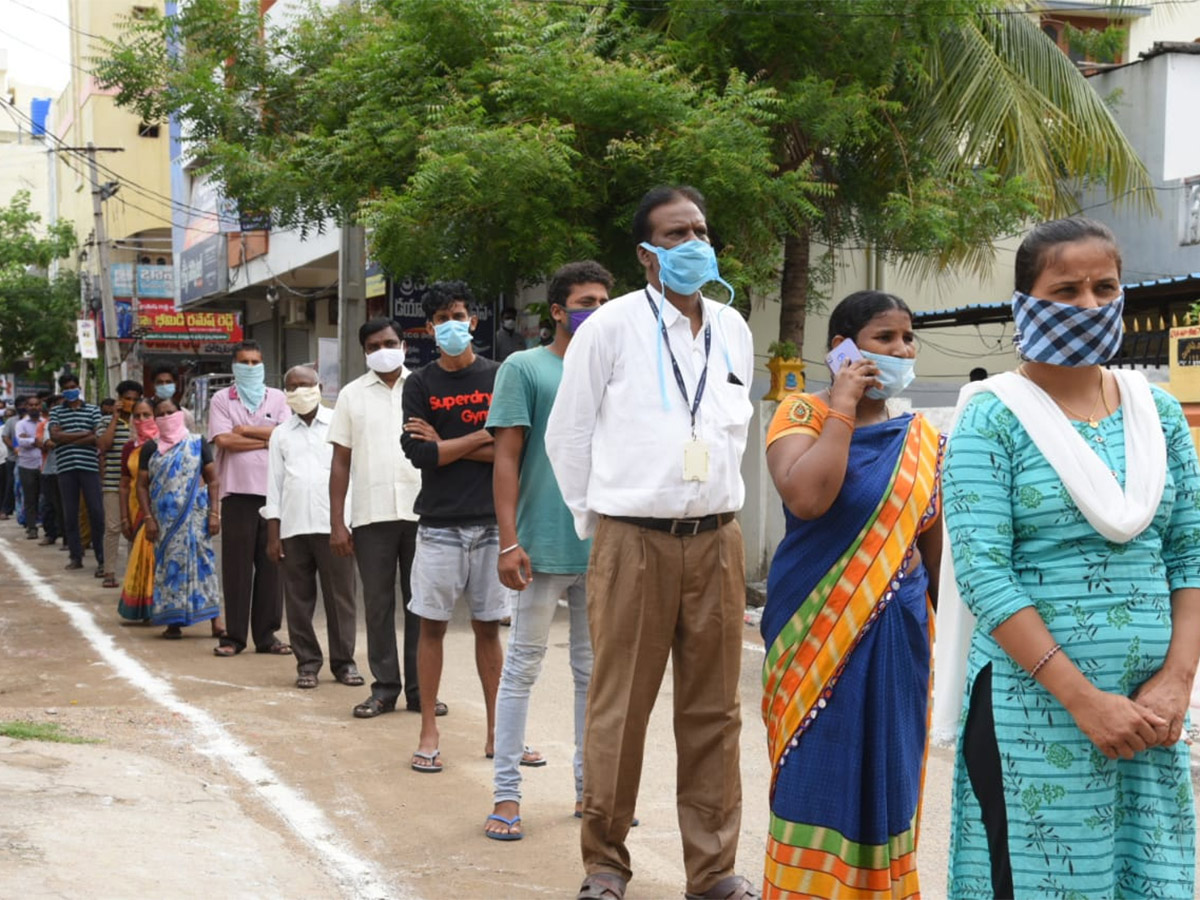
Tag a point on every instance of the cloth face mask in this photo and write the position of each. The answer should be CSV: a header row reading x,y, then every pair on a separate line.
x,y
453,336
304,400
387,359
895,374
71,395
250,379
687,267
576,317
164,391
146,430
171,430
1064,335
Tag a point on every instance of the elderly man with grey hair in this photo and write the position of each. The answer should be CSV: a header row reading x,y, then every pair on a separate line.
x,y
297,514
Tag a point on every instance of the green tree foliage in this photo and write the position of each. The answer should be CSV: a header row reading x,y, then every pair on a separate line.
x,y
1096,45
939,125
37,312
495,139
481,139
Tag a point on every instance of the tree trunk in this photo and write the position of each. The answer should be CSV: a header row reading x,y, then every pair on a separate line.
x,y
793,288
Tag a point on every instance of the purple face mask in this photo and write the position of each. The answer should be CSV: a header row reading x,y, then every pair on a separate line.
x,y
576,317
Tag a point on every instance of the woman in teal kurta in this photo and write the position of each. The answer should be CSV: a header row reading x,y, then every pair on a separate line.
x,y
1042,808
1125,827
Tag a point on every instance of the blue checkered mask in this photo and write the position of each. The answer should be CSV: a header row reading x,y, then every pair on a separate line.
x,y
1064,335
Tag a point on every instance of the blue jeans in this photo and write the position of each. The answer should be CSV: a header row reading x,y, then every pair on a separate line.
x,y
532,613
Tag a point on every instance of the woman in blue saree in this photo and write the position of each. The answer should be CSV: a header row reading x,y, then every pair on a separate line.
x,y
177,483
847,622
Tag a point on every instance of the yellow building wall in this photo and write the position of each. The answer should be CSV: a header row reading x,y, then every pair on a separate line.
x,y
84,113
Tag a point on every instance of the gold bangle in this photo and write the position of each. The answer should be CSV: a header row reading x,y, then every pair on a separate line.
x,y
842,417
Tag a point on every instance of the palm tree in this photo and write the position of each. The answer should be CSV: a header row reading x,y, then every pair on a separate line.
x,y
941,124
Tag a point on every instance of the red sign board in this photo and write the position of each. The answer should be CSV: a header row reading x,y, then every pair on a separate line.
x,y
159,322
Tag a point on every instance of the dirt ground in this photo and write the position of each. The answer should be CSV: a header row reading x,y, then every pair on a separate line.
x,y
217,777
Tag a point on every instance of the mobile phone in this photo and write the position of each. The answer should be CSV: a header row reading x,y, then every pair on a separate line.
x,y
843,353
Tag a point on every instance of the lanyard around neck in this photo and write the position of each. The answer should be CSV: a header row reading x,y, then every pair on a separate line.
x,y
695,404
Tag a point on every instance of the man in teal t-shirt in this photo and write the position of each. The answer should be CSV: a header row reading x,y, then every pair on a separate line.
x,y
541,559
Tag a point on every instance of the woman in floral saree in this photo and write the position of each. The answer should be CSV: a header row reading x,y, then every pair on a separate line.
x,y
847,624
178,485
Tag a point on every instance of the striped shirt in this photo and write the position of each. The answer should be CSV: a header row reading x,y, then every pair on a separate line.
x,y
77,457
112,459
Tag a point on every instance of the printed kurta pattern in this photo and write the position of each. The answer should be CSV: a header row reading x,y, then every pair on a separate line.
x,y
1079,824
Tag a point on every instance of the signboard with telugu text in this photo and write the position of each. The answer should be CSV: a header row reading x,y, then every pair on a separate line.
x,y
159,321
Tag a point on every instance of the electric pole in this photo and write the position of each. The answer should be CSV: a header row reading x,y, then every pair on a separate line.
x,y
100,193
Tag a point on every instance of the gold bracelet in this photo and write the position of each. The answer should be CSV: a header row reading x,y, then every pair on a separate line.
x,y
842,417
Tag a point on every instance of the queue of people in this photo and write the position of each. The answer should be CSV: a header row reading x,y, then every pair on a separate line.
x,y
1053,535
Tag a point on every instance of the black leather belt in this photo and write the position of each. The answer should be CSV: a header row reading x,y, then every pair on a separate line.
x,y
678,527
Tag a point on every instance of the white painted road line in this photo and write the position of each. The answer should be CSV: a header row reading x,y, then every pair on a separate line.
x,y
307,821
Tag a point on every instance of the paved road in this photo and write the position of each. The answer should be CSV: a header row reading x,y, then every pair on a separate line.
x,y
218,777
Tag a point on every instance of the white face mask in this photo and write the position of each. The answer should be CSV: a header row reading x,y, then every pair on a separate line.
x,y
303,400
387,359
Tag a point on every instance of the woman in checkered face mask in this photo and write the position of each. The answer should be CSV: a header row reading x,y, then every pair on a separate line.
x,y
1072,506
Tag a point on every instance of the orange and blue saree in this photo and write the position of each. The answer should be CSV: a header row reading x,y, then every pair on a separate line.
x,y
848,631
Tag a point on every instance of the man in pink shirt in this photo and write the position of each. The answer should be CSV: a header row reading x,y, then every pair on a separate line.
x,y
240,421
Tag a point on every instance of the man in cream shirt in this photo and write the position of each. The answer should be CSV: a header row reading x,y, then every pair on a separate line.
x,y
646,440
365,433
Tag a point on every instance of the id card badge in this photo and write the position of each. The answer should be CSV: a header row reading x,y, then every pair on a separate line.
x,y
695,460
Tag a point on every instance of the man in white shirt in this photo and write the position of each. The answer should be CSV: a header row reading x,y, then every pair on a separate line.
x,y
663,382
365,433
297,514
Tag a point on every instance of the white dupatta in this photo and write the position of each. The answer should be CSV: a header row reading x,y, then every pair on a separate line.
x,y
1119,515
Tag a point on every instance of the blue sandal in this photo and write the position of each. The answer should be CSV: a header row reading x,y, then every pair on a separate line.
x,y
504,836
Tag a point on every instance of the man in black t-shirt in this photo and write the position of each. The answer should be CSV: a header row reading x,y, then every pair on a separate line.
x,y
445,407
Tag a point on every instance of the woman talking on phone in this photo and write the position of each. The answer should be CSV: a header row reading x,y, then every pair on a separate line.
x,y
848,615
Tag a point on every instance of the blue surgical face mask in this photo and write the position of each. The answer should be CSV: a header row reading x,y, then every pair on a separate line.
x,y
687,267
164,391
895,374
452,336
71,394
576,317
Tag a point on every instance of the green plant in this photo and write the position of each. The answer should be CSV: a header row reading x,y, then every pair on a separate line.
x,y
1192,316
783,350
40,731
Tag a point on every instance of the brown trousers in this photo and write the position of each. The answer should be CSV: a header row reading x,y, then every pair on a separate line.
x,y
650,596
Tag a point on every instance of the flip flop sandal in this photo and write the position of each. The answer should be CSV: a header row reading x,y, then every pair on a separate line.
x,y
111,583
225,650
279,648
306,680
431,764
504,835
172,635
634,824
351,678
535,762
